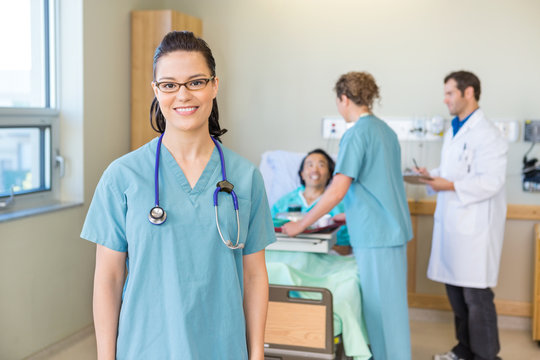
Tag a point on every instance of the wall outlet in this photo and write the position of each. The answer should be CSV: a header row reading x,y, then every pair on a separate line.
x,y
531,131
334,127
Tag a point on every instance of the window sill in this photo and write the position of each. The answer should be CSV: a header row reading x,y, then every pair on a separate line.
x,y
8,215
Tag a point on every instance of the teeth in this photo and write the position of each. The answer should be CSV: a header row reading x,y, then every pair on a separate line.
x,y
314,177
185,109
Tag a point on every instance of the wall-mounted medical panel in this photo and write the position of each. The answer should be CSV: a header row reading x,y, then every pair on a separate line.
x,y
427,128
531,131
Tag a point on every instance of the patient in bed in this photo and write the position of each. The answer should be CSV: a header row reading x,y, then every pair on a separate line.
x,y
315,174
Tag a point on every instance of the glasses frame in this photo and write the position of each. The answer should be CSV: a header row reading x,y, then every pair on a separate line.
x,y
206,80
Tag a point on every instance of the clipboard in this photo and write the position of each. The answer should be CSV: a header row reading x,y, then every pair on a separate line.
x,y
415,179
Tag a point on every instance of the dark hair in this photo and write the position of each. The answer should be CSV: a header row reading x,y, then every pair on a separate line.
x,y
185,41
329,160
464,79
360,87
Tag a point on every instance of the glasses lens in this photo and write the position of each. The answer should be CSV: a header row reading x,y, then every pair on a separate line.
x,y
168,86
197,84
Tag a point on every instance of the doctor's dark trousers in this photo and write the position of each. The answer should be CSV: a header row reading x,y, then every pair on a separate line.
x,y
475,321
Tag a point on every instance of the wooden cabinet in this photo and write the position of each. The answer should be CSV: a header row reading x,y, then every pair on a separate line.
x,y
147,29
536,294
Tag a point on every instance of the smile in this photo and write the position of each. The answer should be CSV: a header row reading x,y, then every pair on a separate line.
x,y
186,110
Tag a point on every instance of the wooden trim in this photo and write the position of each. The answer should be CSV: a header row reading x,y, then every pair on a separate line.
x,y
440,302
514,211
536,292
411,257
523,212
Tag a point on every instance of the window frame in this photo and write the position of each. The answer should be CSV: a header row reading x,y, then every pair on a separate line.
x,y
49,116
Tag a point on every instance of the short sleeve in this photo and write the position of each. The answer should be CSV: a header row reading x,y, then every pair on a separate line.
x,y
105,222
261,228
350,156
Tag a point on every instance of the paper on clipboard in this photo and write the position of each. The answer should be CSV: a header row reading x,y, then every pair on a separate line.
x,y
412,177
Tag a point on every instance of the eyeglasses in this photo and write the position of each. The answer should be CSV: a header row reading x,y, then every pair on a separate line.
x,y
192,85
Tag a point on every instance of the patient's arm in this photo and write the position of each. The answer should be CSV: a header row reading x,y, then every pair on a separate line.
x,y
255,302
342,249
334,193
339,217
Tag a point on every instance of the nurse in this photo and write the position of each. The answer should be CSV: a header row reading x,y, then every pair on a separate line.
x,y
174,290
368,177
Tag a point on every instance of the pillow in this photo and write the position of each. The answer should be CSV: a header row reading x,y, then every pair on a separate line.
x,y
279,170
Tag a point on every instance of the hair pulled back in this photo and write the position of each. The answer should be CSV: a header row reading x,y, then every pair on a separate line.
x,y
185,41
329,160
359,87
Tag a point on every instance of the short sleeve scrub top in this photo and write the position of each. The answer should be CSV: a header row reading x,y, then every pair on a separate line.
x,y
376,204
183,296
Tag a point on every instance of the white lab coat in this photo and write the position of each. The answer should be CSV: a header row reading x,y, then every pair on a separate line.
x,y
469,223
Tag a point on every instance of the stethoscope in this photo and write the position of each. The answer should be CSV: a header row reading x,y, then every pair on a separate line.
x,y
158,216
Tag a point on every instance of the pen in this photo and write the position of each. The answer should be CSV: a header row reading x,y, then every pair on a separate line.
x,y
415,164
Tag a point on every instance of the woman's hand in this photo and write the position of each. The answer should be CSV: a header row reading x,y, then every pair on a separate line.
x,y
292,228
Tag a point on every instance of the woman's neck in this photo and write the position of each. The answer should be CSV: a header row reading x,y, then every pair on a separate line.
x,y
311,194
186,146
357,111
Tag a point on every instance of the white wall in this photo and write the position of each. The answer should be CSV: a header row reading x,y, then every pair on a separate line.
x,y
278,61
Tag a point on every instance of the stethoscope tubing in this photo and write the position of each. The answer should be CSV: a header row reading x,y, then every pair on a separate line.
x,y
223,185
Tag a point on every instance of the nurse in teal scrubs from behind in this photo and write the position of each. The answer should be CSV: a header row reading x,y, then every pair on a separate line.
x,y
368,177
174,290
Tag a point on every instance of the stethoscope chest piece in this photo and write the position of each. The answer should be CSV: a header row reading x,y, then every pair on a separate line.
x,y
157,215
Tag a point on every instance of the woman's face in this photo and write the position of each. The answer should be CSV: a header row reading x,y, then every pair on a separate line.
x,y
185,110
315,172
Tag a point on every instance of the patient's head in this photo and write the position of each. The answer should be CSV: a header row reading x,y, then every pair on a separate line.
x,y
316,169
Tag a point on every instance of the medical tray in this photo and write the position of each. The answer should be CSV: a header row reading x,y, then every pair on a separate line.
x,y
319,242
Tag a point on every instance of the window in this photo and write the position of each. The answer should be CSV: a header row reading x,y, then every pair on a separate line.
x,y
28,110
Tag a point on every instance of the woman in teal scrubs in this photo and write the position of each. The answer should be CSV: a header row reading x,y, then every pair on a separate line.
x,y
174,290
368,177
315,173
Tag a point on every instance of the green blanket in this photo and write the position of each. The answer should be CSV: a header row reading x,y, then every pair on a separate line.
x,y
335,273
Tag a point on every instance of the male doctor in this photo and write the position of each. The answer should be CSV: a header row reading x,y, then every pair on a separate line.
x,y
469,219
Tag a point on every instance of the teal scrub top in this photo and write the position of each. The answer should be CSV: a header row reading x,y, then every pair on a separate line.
x,y
296,197
183,297
376,205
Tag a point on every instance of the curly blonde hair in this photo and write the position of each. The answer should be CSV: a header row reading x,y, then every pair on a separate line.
x,y
359,87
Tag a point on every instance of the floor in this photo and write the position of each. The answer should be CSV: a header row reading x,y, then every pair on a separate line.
x,y
431,332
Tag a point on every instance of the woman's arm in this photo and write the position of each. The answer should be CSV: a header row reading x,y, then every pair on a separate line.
x,y
109,280
255,302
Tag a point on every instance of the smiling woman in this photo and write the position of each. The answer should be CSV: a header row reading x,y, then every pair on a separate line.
x,y
181,275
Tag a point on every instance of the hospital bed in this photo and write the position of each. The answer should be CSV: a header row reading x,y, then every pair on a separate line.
x,y
308,269
300,327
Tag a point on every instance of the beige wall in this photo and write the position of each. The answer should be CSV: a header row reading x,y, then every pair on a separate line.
x,y
277,61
